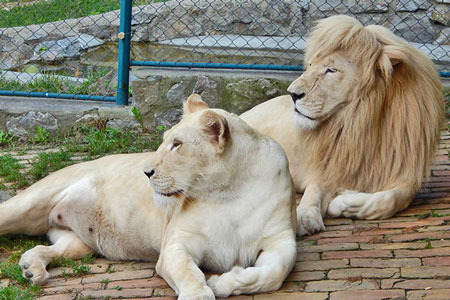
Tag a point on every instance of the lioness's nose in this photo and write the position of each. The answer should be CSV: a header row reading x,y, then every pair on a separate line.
x,y
149,174
296,97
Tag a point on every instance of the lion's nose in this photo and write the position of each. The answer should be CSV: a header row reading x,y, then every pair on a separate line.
x,y
296,97
149,174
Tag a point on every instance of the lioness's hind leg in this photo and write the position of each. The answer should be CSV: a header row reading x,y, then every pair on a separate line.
x,y
65,244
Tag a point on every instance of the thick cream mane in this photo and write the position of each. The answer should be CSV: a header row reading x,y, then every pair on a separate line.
x,y
388,132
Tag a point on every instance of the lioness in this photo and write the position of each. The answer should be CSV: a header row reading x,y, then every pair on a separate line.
x,y
360,126
215,194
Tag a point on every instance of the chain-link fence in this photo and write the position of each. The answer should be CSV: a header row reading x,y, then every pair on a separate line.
x,y
70,46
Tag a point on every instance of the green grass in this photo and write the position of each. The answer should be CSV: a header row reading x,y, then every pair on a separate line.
x,y
10,171
76,267
50,83
45,163
57,10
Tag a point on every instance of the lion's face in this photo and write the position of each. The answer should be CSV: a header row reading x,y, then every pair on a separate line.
x,y
188,155
322,89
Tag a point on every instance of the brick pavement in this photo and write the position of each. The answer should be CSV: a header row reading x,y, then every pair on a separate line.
x,y
405,257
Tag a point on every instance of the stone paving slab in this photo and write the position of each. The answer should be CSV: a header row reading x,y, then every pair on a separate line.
x,y
404,257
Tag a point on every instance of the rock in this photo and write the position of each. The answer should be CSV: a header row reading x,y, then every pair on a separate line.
x,y
169,118
177,93
441,14
249,92
70,47
4,195
410,6
25,125
444,37
207,88
13,52
414,27
124,124
323,8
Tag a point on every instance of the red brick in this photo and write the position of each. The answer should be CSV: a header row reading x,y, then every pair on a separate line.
x,y
424,222
329,234
306,276
436,235
393,246
340,285
350,239
364,273
321,265
131,293
425,272
125,275
329,247
305,256
139,283
56,297
356,254
367,295
441,173
292,296
338,221
422,252
437,261
415,284
162,292
430,294
385,263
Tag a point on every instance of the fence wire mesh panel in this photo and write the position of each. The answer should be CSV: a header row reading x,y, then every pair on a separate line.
x,y
71,46
59,47
272,32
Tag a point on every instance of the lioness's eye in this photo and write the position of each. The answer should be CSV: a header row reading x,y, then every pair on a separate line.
x,y
176,144
331,70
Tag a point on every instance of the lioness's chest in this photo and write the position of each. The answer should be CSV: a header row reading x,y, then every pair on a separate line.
x,y
231,237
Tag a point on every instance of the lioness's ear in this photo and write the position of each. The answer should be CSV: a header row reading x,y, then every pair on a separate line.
x,y
194,103
216,128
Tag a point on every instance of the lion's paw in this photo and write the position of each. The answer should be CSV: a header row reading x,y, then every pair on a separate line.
x,y
309,220
219,286
202,294
33,268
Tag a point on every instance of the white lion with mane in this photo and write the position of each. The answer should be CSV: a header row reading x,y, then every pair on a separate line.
x,y
360,126
220,197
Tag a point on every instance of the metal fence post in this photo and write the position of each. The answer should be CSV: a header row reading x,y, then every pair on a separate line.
x,y
124,36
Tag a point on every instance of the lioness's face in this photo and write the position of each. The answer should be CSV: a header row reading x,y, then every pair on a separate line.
x,y
188,153
322,89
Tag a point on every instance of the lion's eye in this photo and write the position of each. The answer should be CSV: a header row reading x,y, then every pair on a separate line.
x,y
331,70
176,144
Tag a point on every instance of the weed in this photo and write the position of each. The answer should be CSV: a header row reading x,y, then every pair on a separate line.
x,y
41,135
427,244
49,162
28,292
5,138
104,283
117,287
111,269
137,115
10,171
77,268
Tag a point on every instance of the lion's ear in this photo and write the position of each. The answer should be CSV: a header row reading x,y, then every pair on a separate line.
x,y
391,55
216,128
194,103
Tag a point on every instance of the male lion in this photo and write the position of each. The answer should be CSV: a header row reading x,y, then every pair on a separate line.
x,y
220,196
360,126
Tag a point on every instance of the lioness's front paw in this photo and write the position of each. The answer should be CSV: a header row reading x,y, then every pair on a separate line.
x,y
219,286
33,269
202,294
309,220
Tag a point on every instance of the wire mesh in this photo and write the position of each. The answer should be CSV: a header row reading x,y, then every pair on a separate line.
x,y
70,46
273,32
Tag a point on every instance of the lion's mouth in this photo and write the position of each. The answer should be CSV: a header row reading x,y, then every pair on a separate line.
x,y
170,194
308,117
